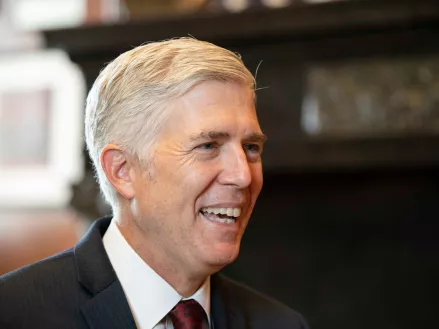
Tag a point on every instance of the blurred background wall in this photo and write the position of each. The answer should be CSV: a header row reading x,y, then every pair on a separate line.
x,y
345,230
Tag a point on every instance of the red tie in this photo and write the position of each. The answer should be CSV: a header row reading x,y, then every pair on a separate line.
x,y
188,314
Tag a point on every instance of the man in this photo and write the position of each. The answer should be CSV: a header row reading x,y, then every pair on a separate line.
x,y
172,130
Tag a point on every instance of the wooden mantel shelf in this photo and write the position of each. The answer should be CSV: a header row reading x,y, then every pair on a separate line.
x,y
253,26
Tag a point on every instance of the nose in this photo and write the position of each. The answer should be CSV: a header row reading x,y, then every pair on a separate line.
x,y
236,169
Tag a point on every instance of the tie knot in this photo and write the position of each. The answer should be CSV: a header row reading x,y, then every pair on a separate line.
x,y
188,314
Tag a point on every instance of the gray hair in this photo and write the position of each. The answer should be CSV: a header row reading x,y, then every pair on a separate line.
x,y
130,96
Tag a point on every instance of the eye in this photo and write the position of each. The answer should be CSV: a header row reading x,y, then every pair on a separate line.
x,y
253,152
208,146
252,148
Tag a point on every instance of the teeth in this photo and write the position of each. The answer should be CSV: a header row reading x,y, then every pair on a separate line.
x,y
231,212
211,214
216,218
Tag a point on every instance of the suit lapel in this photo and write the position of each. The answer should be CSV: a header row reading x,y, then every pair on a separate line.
x,y
226,314
107,307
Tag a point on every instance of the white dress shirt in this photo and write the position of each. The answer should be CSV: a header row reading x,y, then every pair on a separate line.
x,y
149,296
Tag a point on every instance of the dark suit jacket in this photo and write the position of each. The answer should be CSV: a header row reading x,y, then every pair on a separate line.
x,y
78,288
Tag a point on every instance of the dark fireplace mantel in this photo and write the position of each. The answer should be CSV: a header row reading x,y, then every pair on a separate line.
x,y
288,41
257,26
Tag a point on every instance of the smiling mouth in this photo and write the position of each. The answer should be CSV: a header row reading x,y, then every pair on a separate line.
x,y
221,215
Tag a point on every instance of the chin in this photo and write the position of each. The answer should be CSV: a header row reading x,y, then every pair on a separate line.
x,y
222,256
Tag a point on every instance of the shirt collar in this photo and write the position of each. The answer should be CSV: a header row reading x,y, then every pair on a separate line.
x,y
149,296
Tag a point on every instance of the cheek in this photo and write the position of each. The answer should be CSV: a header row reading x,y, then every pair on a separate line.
x,y
257,180
183,188
199,178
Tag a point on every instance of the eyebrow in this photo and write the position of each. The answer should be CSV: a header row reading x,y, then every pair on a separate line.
x,y
209,135
256,138
253,137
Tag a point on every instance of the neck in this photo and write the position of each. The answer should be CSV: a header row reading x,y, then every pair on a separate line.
x,y
183,278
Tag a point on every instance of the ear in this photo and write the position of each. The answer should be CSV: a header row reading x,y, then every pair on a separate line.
x,y
118,169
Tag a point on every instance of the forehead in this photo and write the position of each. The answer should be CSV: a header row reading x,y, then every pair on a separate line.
x,y
215,105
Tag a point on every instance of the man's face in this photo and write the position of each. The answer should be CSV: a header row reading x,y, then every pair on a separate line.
x,y
206,160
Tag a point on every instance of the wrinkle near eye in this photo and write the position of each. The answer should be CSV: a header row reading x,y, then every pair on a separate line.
x,y
180,153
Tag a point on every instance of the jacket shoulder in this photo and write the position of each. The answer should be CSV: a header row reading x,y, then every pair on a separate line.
x,y
28,293
36,275
261,310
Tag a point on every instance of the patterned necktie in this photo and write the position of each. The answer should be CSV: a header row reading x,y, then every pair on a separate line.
x,y
188,314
